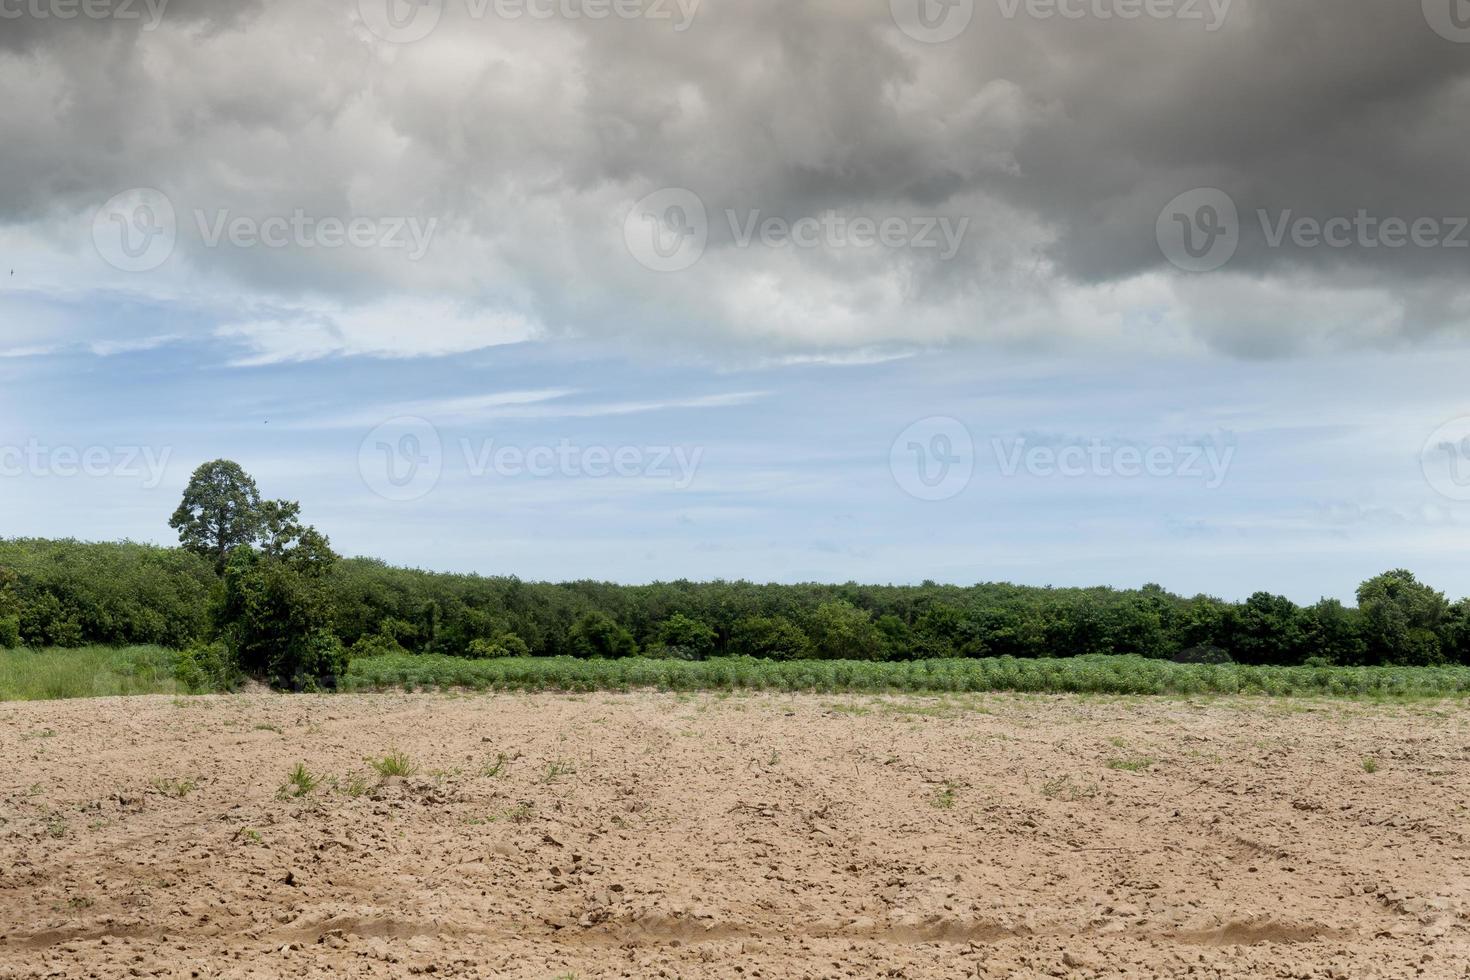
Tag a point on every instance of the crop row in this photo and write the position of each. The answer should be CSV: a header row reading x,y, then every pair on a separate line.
x,y
1097,674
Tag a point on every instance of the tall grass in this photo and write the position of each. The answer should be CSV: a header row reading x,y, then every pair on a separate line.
x,y
40,675
1095,674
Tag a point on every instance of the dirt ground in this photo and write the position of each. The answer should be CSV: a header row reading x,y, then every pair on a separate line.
x,y
701,836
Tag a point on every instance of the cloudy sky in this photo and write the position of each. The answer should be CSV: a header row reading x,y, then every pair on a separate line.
x,y
1056,291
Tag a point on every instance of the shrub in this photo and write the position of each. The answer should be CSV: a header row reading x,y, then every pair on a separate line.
x,y
205,667
377,645
314,662
503,645
9,632
682,638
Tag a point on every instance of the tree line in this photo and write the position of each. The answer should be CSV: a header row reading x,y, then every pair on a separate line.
x,y
255,589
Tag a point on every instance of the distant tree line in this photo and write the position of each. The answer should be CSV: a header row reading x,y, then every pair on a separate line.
x,y
270,595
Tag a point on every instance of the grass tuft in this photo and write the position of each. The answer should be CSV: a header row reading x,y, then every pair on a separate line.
x,y
946,795
1064,788
1138,764
394,764
177,788
299,782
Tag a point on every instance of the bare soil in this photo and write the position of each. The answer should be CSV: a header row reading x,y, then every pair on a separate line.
x,y
764,836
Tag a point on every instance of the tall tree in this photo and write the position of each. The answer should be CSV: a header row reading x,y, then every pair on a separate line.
x,y
1400,617
220,511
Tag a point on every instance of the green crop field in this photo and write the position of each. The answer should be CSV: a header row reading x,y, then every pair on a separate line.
x,y
1083,675
27,675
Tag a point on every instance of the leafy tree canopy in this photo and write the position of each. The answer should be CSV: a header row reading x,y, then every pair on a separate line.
x,y
221,510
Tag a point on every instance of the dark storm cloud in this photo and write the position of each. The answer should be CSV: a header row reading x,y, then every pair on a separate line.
x,y
1060,138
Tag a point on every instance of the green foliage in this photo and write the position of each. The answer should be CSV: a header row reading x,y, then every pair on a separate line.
x,y
206,667
597,635
1334,633
67,593
9,632
503,645
379,645
1455,633
771,637
290,584
1268,629
841,631
1400,619
314,662
220,512
684,638
9,609
276,620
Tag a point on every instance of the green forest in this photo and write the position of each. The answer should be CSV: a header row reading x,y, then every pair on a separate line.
x,y
251,590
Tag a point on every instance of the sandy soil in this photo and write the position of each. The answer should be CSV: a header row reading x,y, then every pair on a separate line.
x,y
763,836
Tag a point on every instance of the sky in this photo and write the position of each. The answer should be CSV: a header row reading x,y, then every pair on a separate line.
x,y
1059,292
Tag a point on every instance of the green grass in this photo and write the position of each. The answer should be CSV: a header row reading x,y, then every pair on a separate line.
x,y
944,797
1130,765
44,675
299,782
177,788
1096,674
393,764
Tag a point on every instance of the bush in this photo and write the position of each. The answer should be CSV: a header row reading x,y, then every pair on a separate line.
x,y
206,667
315,662
377,645
682,638
503,645
9,632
